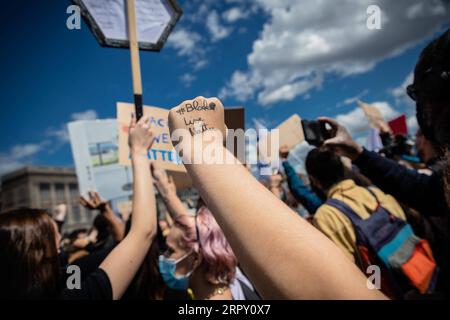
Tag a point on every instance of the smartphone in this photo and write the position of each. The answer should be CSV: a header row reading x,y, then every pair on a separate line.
x,y
315,132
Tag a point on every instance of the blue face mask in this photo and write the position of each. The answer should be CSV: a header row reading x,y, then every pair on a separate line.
x,y
167,269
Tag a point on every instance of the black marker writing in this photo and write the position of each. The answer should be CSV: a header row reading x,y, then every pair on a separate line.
x,y
192,122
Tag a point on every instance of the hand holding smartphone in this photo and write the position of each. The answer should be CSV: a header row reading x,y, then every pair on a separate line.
x,y
316,132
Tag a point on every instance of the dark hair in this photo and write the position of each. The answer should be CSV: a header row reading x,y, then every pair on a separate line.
x,y
431,90
102,226
29,267
360,179
325,166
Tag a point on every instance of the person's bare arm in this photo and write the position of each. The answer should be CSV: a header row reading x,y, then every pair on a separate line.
x,y
94,202
168,191
117,226
284,256
123,262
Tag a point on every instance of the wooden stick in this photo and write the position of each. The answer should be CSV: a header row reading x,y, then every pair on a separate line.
x,y
135,62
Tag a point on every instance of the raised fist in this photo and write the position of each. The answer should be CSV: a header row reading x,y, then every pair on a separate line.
x,y
195,125
198,116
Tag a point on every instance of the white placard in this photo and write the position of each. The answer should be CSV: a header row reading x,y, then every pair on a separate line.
x,y
109,18
152,18
96,156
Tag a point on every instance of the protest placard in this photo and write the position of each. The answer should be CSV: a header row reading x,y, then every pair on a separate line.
x,y
290,133
162,151
399,125
143,24
107,19
374,116
96,156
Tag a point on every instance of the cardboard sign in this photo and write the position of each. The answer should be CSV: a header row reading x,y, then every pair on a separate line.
x,y
374,116
162,151
235,118
107,20
290,134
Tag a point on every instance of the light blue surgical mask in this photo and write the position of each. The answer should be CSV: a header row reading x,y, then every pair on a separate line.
x,y
167,269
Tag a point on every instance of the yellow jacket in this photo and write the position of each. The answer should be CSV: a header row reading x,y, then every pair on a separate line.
x,y
336,226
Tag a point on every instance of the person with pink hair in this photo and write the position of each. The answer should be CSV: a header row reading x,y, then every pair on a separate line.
x,y
198,257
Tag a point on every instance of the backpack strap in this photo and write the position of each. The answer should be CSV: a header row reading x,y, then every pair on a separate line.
x,y
356,221
345,209
370,189
249,294
379,204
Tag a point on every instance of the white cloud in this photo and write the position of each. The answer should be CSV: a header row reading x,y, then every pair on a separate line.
x,y
62,134
352,100
234,14
200,64
356,121
412,124
402,99
217,30
184,41
18,156
304,40
188,44
242,86
22,154
260,124
187,79
289,91
400,94
85,115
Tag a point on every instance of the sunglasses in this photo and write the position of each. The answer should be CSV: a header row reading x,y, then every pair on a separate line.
x,y
412,91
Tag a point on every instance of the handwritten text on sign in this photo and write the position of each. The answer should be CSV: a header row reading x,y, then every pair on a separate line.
x,y
162,150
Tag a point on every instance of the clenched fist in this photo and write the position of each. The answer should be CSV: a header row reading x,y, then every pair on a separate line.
x,y
198,116
197,128
141,136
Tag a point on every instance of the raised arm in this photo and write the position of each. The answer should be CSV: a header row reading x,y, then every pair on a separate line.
x,y
299,190
168,191
123,262
94,202
284,256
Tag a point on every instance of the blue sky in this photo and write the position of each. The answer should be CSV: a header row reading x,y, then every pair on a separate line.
x,y
275,58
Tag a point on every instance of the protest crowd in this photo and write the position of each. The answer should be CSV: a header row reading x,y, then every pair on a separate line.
x,y
376,225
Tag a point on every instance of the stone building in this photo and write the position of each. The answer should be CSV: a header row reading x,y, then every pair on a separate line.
x,y
45,187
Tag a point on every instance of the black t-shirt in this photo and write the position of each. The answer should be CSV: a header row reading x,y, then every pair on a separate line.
x,y
92,261
96,286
